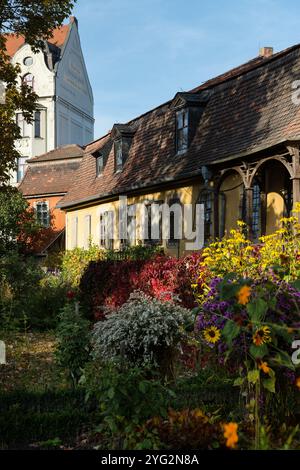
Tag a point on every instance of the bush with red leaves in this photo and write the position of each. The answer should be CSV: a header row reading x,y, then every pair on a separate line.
x,y
107,284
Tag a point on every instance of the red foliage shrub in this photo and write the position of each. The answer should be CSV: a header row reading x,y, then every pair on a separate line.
x,y
108,284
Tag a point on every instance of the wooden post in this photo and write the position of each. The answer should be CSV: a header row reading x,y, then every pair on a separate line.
x,y
296,191
295,176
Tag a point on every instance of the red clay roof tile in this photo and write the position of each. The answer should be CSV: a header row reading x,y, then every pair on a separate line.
x,y
14,42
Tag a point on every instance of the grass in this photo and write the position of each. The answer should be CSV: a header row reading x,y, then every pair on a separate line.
x,y
30,362
36,400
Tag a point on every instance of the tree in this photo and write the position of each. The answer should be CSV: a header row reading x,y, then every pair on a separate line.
x,y
19,228
35,20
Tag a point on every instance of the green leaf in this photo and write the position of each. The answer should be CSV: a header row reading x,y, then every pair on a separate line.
x,y
228,291
230,331
238,382
282,331
283,359
269,384
253,376
142,387
257,309
111,393
296,284
258,351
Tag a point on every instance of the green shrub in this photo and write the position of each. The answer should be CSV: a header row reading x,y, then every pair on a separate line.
x,y
19,278
72,335
75,261
28,297
127,397
144,331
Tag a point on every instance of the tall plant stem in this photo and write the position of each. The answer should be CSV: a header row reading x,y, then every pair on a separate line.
x,y
257,420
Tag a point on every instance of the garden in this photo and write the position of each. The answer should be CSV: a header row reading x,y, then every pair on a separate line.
x,y
137,350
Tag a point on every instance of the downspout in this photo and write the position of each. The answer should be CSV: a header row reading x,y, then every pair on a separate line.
x,y
55,117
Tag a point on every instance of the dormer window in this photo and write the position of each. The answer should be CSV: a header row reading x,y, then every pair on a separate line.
x,y
182,130
122,135
118,155
99,164
188,109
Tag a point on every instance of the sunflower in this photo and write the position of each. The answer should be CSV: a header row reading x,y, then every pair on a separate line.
x,y
264,367
243,295
261,336
230,433
212,334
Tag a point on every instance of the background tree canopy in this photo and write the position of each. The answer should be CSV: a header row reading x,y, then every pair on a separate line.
x,y
19,227
35,20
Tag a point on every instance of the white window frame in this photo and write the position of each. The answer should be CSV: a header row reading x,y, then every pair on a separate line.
x,y
106,224
47,211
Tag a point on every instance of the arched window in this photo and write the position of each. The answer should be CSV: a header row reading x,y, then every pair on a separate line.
x,y
206,198
28,80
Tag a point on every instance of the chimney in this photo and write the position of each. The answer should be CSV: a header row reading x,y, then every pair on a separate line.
x,y
266,52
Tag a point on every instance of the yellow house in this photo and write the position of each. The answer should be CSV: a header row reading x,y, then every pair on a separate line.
x,y
230,145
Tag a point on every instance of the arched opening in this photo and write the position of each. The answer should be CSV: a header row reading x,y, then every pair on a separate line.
x,y
275,199
28,80
230,201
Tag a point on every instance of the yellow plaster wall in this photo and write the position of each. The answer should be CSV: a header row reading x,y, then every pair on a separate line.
x,y
275,182
232,191
186,195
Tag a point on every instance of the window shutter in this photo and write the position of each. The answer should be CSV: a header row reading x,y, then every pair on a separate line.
x,y
110,229
87,234
75,232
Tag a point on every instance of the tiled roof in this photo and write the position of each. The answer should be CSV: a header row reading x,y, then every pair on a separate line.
x,y
65,151
14,42
53,172
249,108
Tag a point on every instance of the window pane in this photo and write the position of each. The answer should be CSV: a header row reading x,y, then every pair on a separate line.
x,y
256,212
185,136
37,124
182,130
28,61
118,155
42,213
207,200
185,118
100,165
22,165
179,120
28,80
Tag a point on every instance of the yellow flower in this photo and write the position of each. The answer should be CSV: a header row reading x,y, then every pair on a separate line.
x,y
298,382
262,335
264,367
240,223
230,433
212,334
243,295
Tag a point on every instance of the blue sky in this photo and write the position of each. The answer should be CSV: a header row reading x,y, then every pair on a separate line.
x,y
139,53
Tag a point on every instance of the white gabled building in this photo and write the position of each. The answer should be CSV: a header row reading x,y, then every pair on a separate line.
x,y
59,77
